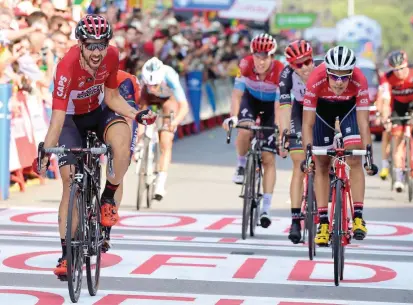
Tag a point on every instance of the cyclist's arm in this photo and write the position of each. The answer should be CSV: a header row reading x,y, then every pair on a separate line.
x,y
55,128
363,111
309,114
236,96
385,97
285,99
116,102
172,80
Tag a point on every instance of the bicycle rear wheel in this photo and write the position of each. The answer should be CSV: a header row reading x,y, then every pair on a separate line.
x,y
311,214
255,206
248,194
74,248
408,167
391,168
95,241
337,228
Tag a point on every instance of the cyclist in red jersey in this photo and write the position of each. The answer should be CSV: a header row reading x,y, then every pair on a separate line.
x,y
84,78
337,88
257,89
400,82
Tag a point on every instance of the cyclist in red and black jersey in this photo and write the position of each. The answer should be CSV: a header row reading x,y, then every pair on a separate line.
x,y
84,78
400,83
337,88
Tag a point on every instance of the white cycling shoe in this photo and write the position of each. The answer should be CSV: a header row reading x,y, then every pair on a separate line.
x,y
159,192
398,186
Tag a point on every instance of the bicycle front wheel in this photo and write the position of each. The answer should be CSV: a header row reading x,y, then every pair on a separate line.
x,y
408,168
311,214
248,194
337,228
150,188
74,242
142,174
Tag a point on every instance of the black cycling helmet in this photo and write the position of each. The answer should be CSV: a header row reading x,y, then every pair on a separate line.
x,y
93,27
397,58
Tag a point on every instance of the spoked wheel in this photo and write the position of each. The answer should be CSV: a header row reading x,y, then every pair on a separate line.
x,y
74,248
338,251
391,167
95,240
255,212
248,194
408,167
311,214
150,188
142,174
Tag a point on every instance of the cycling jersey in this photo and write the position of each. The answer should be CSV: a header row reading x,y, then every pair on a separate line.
x,y
171,86
129,87
78,92
266,90
401,89
291,87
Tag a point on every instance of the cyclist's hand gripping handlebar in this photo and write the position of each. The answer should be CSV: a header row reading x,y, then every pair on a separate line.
x,y
369,166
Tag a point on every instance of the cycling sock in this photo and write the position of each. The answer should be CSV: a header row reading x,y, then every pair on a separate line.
x,y
110,189
399,174
108,232
242,161
385,163
266,203
162,178
323,214
358,209
63,243
296,215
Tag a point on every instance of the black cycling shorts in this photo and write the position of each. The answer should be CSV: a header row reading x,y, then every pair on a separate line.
x,y
296,145
250,108
327,112
400,109
75,130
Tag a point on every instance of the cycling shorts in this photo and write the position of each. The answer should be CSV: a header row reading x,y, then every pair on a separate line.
x,y
75,130
296,145
250,108
400,109
323,132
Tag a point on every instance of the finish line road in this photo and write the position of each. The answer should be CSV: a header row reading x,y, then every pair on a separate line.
x,y
187,249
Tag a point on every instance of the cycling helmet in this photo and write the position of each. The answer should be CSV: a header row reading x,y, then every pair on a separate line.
x,y
397,58
297,50
153,72
93,27
340,58
263,43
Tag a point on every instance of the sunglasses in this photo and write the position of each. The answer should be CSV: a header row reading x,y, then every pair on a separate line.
x,y
398,68
96,45
336,77
301,64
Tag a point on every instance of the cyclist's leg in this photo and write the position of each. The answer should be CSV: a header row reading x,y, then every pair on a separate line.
x,y
385,152
166,138
114,131
323,135
268,162
246,116
352,140
296,185
398,153
70,137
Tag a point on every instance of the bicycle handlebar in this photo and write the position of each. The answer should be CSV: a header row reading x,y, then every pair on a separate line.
x,y
253,128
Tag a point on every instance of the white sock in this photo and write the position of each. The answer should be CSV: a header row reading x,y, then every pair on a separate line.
x,y
266,205
399,174
242,161
385,163
162,178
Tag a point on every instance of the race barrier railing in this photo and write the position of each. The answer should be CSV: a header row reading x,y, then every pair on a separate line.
x,y
24,120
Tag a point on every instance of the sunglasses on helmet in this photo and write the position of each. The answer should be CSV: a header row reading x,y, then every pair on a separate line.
x,y
336,77
96,45
301,64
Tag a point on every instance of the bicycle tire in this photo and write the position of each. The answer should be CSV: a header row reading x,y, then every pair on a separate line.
x,y
248,194
311,214
150,188
74,254
95,245
391,169
408,177
337,228
142,174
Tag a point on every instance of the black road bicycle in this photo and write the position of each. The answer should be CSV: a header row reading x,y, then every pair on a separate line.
x,y
84,233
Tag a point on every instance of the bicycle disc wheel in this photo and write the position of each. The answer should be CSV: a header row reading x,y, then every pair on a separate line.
x,y
337,227
310,216
408,169
248,194
74,248
142,174
95,240
150,188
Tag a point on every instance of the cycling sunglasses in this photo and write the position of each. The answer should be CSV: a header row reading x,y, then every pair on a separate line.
x,y
96,45
336,77
301,64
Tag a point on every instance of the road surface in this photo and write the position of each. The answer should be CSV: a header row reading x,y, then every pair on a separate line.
x,y
187,248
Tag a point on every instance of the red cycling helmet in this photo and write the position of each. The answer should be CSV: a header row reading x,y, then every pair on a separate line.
x,y
93,27
297,50
263,43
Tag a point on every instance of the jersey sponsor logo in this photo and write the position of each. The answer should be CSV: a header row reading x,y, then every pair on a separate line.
x,y
306,102
89,92
318,83
364,101
336,97
363,93
285,96
285,73
243,64
61,85
282,84
406,91
309,93
356,83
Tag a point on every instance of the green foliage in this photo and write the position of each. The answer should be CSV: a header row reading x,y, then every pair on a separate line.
x,y
393,15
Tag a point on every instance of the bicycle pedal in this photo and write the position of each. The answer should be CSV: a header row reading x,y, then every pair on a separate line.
x,y
62,278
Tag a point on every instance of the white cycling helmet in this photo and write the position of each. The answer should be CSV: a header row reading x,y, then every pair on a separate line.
x,y
153,72
340,58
